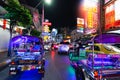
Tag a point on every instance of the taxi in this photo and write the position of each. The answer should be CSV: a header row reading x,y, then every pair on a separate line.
x,y
103,48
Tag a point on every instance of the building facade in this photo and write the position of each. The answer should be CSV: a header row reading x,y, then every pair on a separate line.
x,y
112,14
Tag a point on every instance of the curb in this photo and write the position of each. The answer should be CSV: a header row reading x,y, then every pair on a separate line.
x,y
5,63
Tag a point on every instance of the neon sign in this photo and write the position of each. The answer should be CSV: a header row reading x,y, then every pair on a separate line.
x,y
90,18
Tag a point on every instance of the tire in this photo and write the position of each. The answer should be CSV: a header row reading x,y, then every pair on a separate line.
x,y
79,74
42,75
58,52
90,78
43,63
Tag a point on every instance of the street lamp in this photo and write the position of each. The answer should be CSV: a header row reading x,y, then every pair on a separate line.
x,y
48,1
43,12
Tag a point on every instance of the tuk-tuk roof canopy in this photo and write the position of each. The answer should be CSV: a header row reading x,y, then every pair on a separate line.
x,y
25,39
107,38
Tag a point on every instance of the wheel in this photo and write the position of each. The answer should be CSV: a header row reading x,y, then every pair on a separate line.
x,y
58,52
42,74
43,62
41,70
79,74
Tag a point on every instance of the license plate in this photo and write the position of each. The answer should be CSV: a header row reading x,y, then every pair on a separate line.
x,y
12,72
25,68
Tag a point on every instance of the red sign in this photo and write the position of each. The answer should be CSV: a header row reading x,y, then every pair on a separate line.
x,y
4,23
47,23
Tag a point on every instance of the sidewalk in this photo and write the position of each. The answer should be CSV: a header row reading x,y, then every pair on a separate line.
x,y
4,60
3,56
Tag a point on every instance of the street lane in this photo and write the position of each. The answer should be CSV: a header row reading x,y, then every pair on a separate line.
x,y
58,67
4,74
26,75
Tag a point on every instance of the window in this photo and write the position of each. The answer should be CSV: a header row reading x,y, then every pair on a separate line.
x,y
64,43
96,48
116,45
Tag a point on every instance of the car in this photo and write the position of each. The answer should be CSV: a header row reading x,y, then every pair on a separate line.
x,y
63,47
55,46
47,46
29,54
103,48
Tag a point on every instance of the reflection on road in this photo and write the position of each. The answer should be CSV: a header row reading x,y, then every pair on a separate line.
x,y
52,54
58,67
26,75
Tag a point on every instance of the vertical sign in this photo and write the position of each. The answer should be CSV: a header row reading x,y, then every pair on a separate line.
x,y
80,25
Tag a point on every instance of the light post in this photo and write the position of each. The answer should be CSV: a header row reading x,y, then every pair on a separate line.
x,y
43,12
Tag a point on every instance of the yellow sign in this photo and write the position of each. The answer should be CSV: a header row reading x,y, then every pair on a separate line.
x,y
45,38
46,29
80,22
90,18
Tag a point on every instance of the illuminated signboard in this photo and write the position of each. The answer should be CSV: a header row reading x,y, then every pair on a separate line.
x,y
36,19
46,28
111,16
109,8
117,10
90,18
47,23
80,25
54,31
80,22
117,13
90,13
81,30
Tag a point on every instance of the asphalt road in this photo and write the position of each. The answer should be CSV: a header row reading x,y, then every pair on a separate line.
x,y
27,75
57,67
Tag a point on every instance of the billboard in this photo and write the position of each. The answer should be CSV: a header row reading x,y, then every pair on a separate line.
x,y
89,9
109,16
117,13
80,25
36,19
112,15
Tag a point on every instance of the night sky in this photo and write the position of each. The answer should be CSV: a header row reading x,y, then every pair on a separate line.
x,y
62,13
